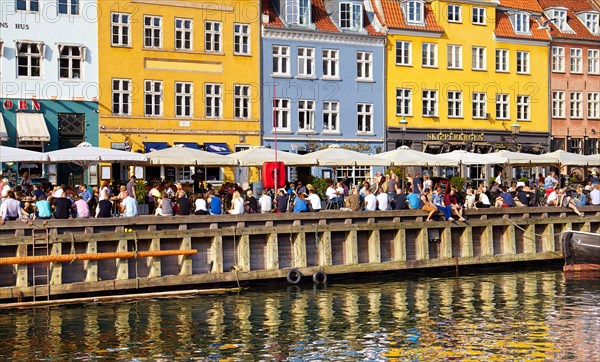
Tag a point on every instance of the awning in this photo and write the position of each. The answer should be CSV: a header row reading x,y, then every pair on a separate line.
x,y
3,133
193,145
32,127
155,146
220,148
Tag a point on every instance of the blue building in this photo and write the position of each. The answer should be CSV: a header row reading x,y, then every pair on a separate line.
x,y
323,77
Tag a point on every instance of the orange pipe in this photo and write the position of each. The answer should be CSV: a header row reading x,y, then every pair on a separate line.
x,y
63,258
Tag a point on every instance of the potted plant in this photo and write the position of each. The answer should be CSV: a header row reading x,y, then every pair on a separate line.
x,y
141,196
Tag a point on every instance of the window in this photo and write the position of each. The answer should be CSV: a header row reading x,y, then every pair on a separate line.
x,y
70,7
365,117
560,19
212,36
153,97
558,59
152,31
455,104
306,62
29,59
120,29
364,65
454,13
558,104
121,97
593,146
502,106
521,23
454,57
414,11
429,55
212,93
522,62
576,60
28,5
479,58
591,22
241,101
297,12
403,53
478,16
282,114
183,34
330,116
593,61
593,105
350,16
523,108
479,105
70,60
502,61
241,39
430,107
306,116
281,60
575,145
184,93
403,102
331,63
575,105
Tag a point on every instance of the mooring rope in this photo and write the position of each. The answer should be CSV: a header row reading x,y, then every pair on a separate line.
x,y
73,251
135,256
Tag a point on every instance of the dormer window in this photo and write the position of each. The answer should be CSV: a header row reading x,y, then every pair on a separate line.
x,y
521,23
559,19
297,12
414,11
350,16
591,22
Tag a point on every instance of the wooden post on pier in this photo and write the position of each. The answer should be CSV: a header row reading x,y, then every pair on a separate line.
x,y
422,246
325,257
216,251
185,261
243,249
91,266
466,242
22,276
399,243
487,241
529,239
548,238
446,243
509,245
153,262
272,252
299,253
55,268
122,264
351,248
374,244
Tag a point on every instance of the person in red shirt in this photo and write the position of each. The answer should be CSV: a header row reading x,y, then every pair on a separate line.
x,y
450,200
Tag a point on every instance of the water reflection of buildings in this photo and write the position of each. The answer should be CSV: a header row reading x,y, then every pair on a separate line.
x,y
489,316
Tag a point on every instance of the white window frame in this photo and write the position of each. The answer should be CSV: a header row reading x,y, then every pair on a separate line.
x,y
593,105
364,66
415,11
403,102
455,58
331,117
184,99
455,104
478,15
123,91
213,100
558,59
521,23
502,60
213,36
155,32
479,58
591,23
242,101
479,105
593,61
306,116
71,60
523,108
121,29
282,112
430,103
576,105
281,60
153,98
523,64
33,59
354,12
502,106
576,60
28,5
456,15
306,62
558,104
298,12
560,19
241,39
429,55
331,63
184,34
404,53
364,118
71,7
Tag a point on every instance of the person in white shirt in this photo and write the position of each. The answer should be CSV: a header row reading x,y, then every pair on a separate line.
x,y
370,201
332,194
237,204
499,178
200,205
383,200
595,196
315,200
552,198
129,206
5,188
265,203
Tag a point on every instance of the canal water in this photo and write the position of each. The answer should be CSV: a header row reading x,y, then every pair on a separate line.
x,y
533,315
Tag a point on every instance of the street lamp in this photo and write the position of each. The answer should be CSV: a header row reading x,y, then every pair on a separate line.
x,y
515,128
403,123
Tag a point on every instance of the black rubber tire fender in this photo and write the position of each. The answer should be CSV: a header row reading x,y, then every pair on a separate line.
x,y
294,276
319,277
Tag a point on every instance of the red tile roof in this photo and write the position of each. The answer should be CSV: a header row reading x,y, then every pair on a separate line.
x,y
529,5
320,18
504,29
268,9
394,18
580,31
574,5
369,26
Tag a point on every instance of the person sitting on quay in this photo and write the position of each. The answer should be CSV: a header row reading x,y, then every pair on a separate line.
x,y
38,192
128,206
564,200
184,207
104,209
505,199
281,201
581,199
332,194
28,211
370,201
451,200
314,201
62,207
438,201
470,199
398,202
265,203
154,197
214,202
300,204
10,209
383,201
165,206
521,199
595,196
82,209
250,203
352,202
413,201
428,206
365,186
200,207
552,198
237,204
43,208
550,183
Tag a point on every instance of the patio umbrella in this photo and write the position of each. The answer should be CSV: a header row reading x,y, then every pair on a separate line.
x,y
592,160
563,158
85,154
515,158
336,156
468,158
404,156
258,155
179,155
11,154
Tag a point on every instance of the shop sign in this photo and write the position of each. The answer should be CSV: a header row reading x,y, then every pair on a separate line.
x,y
451,136
22,105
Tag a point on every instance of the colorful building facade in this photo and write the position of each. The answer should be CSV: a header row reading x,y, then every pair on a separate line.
x,y
575,75
179,72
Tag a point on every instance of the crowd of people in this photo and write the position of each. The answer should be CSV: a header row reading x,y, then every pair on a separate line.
x,y
26,201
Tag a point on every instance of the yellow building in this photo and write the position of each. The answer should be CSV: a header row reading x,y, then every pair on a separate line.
x,y
175,72
465,75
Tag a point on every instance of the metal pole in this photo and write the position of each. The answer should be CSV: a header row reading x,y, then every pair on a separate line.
x,y
276,178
